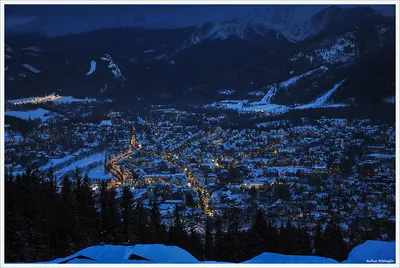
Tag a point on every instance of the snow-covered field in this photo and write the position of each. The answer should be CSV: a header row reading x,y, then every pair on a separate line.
x,y
83,163
39,113
287,169
99,173
57,161
382,156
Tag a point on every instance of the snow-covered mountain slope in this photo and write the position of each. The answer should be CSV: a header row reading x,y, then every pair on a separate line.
x,y
113,67
340,49
21,64
264,54
273,89
156,253
279,23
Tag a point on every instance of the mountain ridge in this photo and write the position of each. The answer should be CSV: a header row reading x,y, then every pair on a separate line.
x,y
237,55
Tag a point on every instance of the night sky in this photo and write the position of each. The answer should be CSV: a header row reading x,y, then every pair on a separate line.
x,y
57,20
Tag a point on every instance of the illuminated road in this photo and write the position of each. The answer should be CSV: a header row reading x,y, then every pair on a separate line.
x,y
203,194
120,174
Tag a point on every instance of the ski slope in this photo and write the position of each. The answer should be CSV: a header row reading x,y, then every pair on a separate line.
x,y
320,102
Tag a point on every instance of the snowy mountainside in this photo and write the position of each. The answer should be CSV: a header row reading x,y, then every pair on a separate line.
x,y
264,54
157,253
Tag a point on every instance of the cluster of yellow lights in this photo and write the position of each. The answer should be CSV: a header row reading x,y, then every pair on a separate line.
x,y
39,99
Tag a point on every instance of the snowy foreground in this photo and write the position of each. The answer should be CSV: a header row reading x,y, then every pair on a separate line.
x,y
368,252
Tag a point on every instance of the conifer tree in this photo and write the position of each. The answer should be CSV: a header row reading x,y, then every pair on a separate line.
x,y
257,237
218,239
86,213
142,227
209,243
319,242
177,235
50,200
194,245
336,247
66,221
158,233
127,215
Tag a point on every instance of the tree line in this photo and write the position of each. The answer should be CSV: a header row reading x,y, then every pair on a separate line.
x,y
47,220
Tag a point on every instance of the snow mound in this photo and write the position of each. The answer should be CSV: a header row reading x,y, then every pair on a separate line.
x,y
156,253
163,254
279,258
373,251
368,252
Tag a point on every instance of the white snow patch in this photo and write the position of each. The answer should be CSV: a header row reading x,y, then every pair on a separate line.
x,y
319,102
273,89
106,123
390,99
36,49
243,106
96,158
257,93
385,156
336,53
99,173
31,68
270,94
226,91
39,113
70,99
114,67
92,67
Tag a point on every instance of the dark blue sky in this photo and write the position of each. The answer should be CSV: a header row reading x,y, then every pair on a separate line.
x,y
64,19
